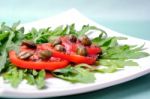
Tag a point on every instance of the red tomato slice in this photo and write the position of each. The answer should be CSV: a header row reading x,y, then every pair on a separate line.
x,y
70,57
49,65
72,47
74,57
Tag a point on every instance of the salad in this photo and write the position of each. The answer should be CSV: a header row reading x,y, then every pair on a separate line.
x,y
63,52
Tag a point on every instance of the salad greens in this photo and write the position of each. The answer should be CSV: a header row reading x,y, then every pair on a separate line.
x,y
114,56
10,37
75,74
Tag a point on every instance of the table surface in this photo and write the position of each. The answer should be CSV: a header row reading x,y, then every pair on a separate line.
x,y
128,17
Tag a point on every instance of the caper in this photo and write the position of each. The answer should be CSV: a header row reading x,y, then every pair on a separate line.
x,y
85,41
72,38
45,54
81,50
24,55
56,42
60,48
29,43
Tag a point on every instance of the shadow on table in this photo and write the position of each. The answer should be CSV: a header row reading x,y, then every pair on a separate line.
x,y
124,90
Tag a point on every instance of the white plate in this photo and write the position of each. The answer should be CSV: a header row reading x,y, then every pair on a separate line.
x,y
57,87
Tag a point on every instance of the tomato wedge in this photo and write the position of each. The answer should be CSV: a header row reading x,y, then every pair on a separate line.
x,y
49,65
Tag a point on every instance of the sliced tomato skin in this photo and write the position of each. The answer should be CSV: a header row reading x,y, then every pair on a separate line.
x,y
36,65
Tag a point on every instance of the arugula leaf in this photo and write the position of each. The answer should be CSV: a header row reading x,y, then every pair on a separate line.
x,y
4,49
40,79
34,72
118,63
14,76
3,35
75,74
10,38
15,25
19,35
86,28
46,35
114,56
112,50
17,78
124,52
106,42
3,59
30,79
110,69
114,65
72,29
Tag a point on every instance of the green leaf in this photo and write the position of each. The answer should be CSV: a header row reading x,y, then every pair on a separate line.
x,y
124,52
3,59
34,73
15,25
119,63
65,31
130,63
4,28
30,79
111,69
17,78
4,49
40,79
106,42
3,35
58,30
14,77
19,35
72,29
114,65
85,76
86,28
75,74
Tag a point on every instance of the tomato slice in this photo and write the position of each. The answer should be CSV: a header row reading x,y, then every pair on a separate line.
x,y
72,57
38,65
72,47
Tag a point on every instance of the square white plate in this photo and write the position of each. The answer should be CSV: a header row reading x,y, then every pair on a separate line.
x,y
58,87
